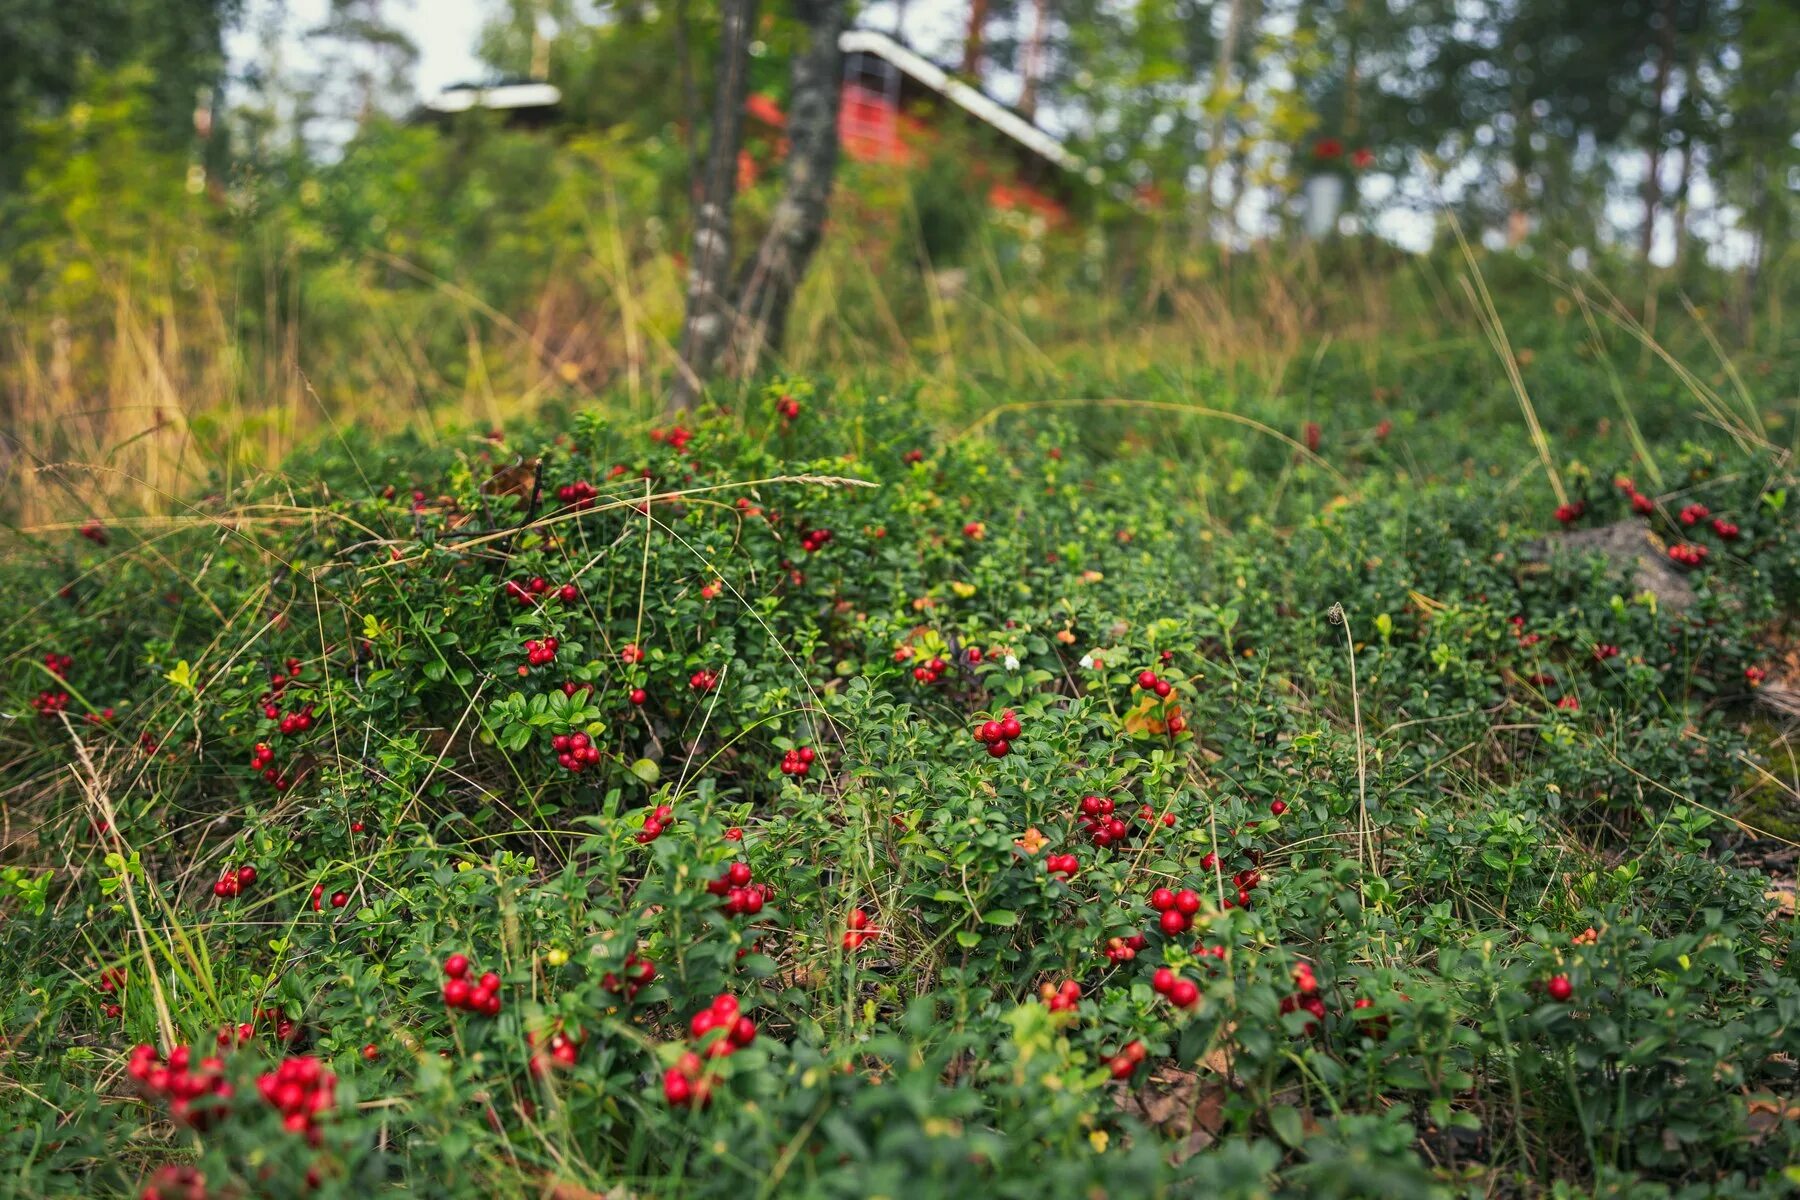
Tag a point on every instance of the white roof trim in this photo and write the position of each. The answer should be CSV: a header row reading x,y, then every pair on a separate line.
x,y
870,41
508,95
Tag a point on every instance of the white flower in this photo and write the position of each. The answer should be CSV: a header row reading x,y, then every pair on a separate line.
x,y
1012,662
1087,662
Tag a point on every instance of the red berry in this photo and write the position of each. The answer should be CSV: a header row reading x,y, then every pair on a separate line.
x,y
1560,988
456,966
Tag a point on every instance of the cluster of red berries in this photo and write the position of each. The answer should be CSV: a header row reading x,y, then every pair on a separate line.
x,y
94,532
998,736
798,762
233,881
262,758
1126,1061
338,899
1604,651
560,1050
814,539
1688,554
787,408
278,683
1518,628
1099,823
48,704
298,721
1150,682
1065,865
575,751
196,1092
1245,881
58,664
1305,997
676,436
1124,949
1754,676
639,972
1061,997
859,930
1374,1025
719,1030
111,980
1725,529
1693,514
743,896
927,672
175,1181
974,530
703,680
660,818
1177,909
538,653
1560,988
538,589
1182,993
579,495
301,1089
572,689
286,1029
1640,503
482,996
1568,514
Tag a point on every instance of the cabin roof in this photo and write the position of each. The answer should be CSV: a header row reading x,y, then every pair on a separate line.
x,y
508,96
973,101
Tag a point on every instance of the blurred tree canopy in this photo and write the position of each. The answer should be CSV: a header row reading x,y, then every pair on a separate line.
x,y
1621,127
48,48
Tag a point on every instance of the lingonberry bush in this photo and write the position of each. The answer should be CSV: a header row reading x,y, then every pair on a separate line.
x,y
803,803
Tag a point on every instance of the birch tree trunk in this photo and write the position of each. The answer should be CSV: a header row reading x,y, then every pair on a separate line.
x,y
708,324
773,275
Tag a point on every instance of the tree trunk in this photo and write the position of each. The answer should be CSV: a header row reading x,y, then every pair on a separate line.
x,y
1215,133
709,320
971,64
1033,64
773,275
1665,60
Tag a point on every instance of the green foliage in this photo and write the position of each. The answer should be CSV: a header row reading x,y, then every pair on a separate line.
x,y
1448,839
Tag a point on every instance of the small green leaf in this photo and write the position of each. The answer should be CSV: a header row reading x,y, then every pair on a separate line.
x,y
968,939
646,770
1286,1122
1003,917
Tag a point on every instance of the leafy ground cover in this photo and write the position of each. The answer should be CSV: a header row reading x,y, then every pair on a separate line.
x,y
1109,800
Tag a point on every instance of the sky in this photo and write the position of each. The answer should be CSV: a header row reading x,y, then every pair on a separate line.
x,y
445,31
